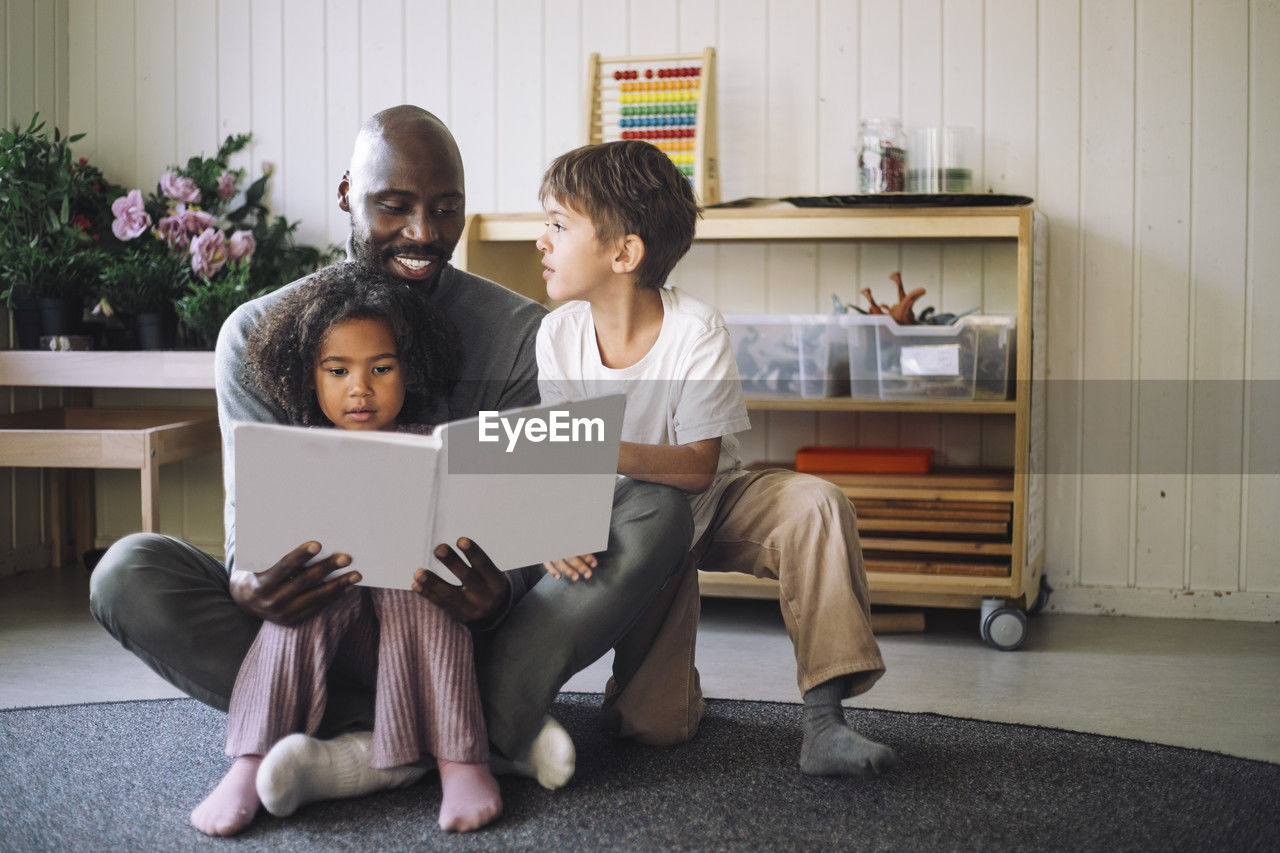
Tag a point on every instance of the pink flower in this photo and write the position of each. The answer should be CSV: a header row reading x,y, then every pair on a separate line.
x,y
241,245
209,252
194,221
179,188
131,217
170,228
226,186
178,228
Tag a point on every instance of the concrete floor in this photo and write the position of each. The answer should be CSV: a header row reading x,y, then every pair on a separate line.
x,y
1200,684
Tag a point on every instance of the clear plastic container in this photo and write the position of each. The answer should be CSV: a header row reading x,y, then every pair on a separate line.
x,y
790,355
882,156
966,361
940,160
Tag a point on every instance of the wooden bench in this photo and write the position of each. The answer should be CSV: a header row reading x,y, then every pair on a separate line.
x,y
88,438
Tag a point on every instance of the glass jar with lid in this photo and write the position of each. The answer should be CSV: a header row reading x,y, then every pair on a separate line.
x,y
882,156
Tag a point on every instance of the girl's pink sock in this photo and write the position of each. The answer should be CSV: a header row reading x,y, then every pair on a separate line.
x,y
471,798
232,805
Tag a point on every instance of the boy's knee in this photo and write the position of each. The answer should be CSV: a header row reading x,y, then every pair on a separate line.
x,y
816,493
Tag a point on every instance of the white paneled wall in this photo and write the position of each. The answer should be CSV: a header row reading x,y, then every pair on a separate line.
x,y
1144,129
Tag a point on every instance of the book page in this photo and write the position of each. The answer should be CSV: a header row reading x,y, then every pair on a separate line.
x,y
527,499
369,495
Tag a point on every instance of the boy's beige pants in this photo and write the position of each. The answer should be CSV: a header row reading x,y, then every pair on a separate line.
x,y
795,528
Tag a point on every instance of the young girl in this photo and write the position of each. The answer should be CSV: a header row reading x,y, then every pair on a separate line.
x,y
354,348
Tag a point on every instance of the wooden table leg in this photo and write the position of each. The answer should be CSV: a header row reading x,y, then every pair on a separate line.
x,y
150,496
82,505
56,513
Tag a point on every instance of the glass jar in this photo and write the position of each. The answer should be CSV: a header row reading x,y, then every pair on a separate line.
x,y
939,160
882,156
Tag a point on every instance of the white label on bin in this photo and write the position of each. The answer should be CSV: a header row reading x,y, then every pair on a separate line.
x,y
943,360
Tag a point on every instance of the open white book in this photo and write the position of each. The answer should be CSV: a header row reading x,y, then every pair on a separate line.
x,y
526,485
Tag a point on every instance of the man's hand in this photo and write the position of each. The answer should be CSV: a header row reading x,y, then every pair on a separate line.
x,y
573,568
484,590
291,591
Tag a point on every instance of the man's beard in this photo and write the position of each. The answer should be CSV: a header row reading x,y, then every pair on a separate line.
x,y
359,248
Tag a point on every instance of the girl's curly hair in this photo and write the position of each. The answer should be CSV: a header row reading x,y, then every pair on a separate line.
x,y
281,350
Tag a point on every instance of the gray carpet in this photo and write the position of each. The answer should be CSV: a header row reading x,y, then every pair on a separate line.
x,y
124,776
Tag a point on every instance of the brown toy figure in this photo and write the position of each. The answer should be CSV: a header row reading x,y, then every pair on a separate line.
x,y
901,312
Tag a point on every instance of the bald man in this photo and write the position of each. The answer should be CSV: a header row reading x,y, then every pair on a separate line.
x,y
192,618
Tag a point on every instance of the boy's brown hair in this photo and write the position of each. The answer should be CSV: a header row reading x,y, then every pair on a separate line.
x,y
629,187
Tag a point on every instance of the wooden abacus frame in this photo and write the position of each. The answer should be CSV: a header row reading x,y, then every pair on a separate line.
x,y
599,122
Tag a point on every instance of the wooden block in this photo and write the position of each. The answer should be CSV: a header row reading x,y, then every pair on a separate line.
x,y
930,525
938,567
967,506
959,547
950,514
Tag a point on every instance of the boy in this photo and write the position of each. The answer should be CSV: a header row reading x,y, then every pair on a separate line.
x,y
620,215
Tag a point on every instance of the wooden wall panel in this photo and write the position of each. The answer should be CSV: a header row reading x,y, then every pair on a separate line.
x,y
1058,195
20,60
384,42
267,95
1219,171
197,56
303,178
474,123
8,76
564,70
156,92
244,82
519,104
1260,562
1162,197
1107,202
342,106
427,60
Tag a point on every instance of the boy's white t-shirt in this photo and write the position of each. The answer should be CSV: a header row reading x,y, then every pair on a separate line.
x,y
685,389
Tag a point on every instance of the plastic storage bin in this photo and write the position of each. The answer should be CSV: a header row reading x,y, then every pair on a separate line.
x,y
790,355
966,361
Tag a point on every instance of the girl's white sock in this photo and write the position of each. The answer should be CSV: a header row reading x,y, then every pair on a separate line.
x,y
302,769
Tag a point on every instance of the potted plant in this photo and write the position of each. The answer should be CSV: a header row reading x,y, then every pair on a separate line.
x,y
187,247
51,210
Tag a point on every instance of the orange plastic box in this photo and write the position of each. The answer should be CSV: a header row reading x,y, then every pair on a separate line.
x,y
864,460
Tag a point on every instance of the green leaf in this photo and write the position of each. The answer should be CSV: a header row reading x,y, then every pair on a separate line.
x,y
253,195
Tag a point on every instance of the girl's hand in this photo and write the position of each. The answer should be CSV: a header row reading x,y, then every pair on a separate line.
x,y
573,568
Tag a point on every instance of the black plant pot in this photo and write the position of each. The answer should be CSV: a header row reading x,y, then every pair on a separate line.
x,y
157,329
60,316
26,322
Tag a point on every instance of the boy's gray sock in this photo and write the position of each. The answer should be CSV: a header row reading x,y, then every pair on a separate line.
x,y
831,747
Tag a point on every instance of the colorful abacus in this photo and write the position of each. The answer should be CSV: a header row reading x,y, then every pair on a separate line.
x,y
666,100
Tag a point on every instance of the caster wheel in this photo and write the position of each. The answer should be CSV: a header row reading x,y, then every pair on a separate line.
x,y
1004,628
1042,597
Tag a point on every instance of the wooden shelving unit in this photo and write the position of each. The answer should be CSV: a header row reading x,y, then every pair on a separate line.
x,y
1005,558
